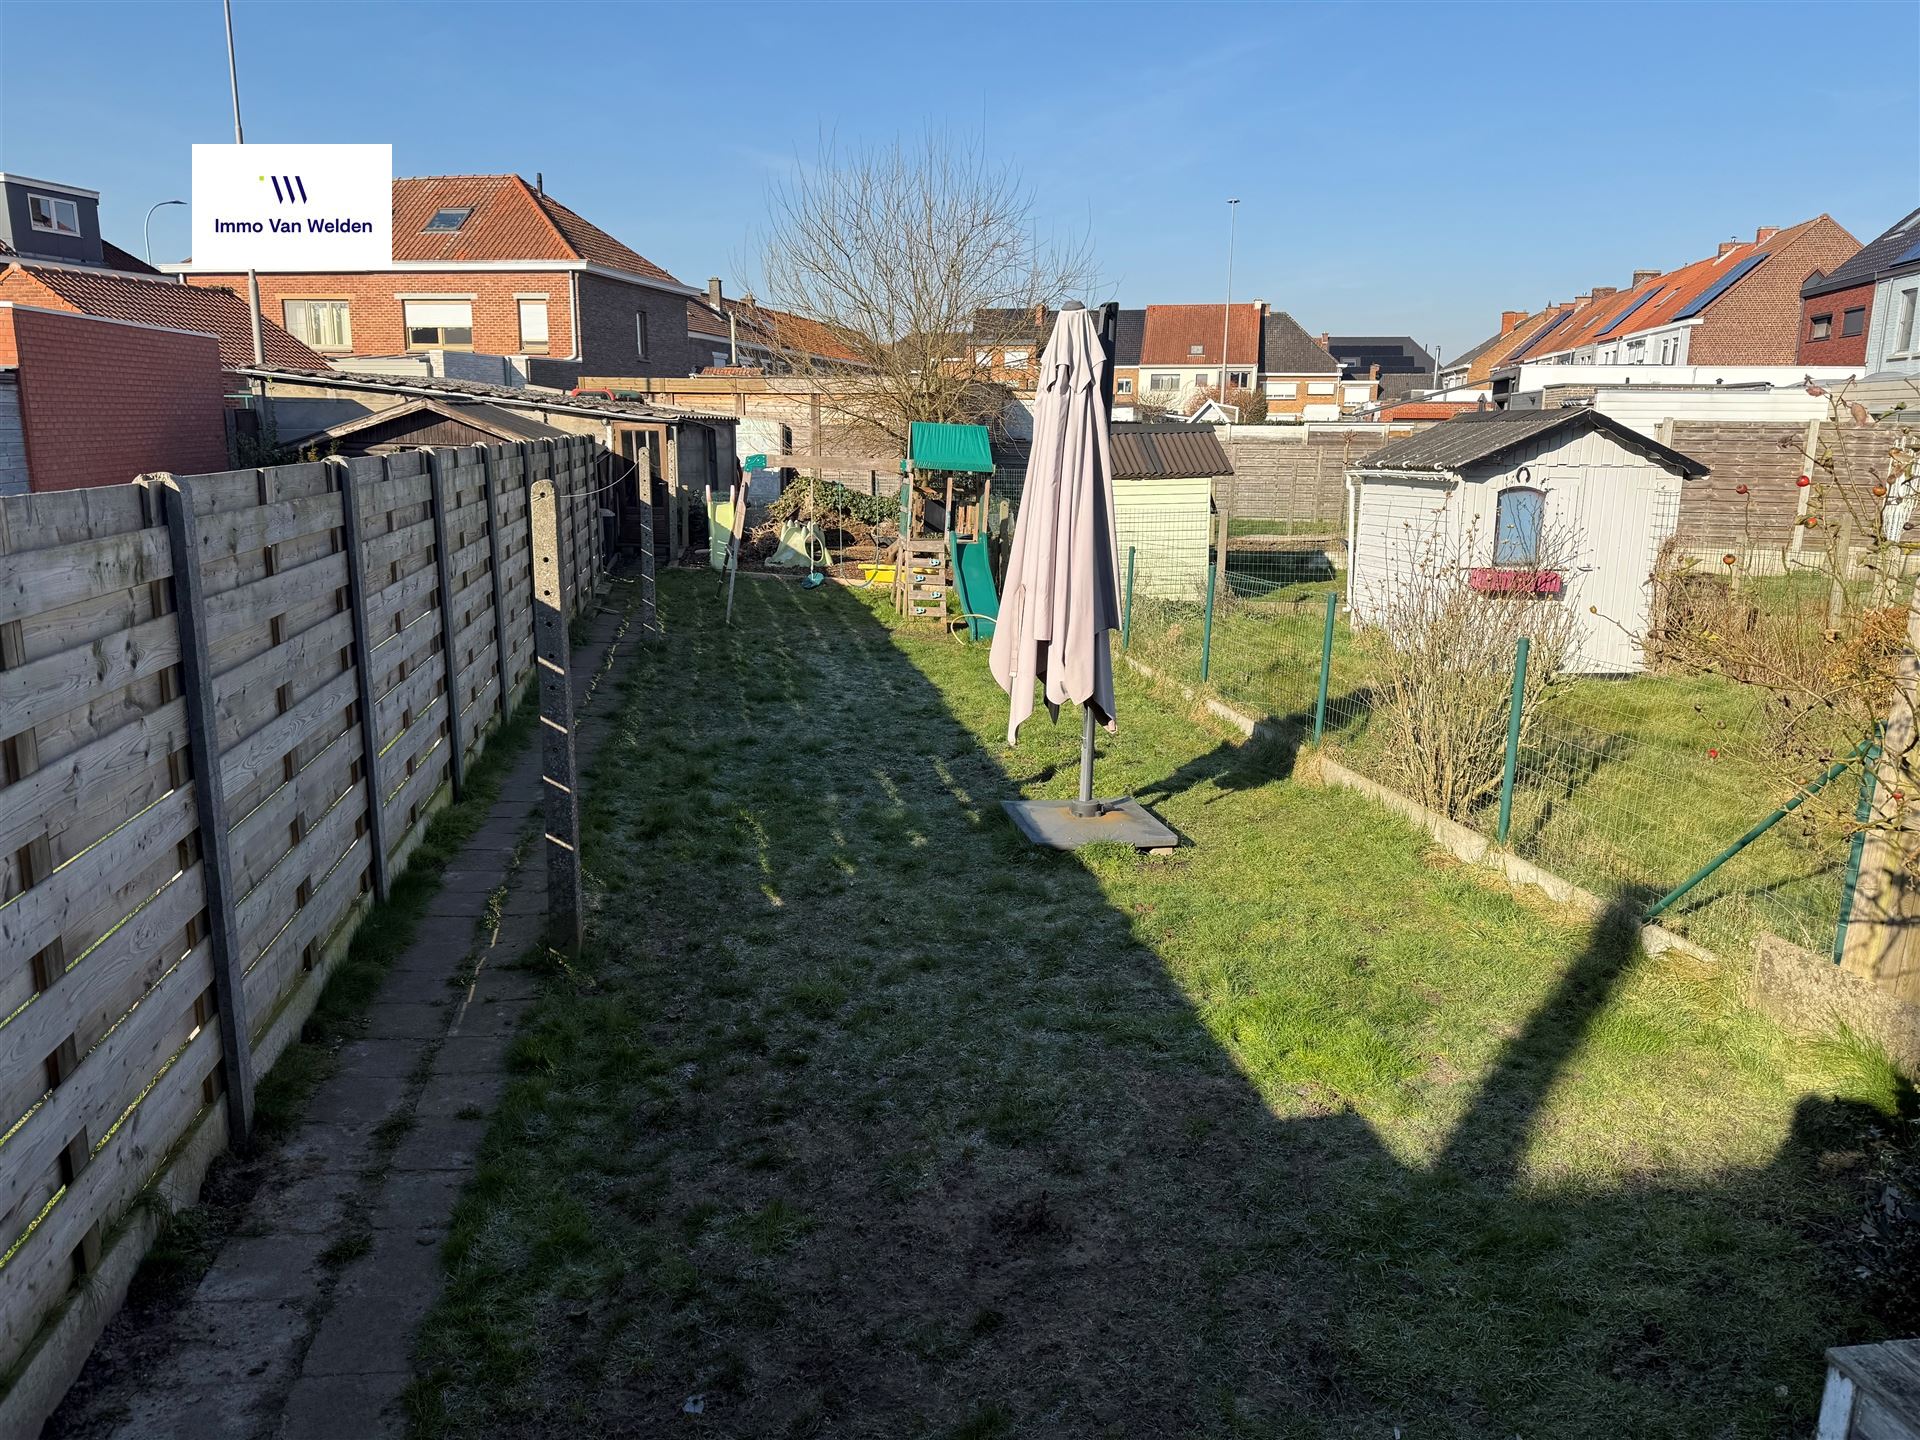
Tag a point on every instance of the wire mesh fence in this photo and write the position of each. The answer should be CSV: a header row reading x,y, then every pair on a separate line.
x,y
1626,785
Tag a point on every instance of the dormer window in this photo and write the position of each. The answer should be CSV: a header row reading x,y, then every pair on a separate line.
x,y
447,221
1196,349
53,214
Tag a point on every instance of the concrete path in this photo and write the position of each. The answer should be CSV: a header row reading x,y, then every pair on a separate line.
x,y
302,1329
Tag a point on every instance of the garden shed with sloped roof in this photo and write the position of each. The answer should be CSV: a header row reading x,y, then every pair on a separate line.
x,y
1566,505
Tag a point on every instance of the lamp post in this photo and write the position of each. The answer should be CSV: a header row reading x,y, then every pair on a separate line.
x,y
148,227
239,138
1226,315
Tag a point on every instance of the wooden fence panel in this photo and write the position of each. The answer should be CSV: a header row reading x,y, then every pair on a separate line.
x,y
332,683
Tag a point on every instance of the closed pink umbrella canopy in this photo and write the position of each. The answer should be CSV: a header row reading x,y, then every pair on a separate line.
x,y
1063,586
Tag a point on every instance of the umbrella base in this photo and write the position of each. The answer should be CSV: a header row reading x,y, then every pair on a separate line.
x,y
1120,822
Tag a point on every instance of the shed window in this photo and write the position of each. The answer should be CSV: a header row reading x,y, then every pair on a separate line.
x,y
1516,527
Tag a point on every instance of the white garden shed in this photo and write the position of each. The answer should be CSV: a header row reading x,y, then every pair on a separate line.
x,y
1495,490
1163,474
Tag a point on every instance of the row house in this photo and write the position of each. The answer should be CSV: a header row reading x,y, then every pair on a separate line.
x,y
1866,311
1739,306
493,265
1180,359
728,334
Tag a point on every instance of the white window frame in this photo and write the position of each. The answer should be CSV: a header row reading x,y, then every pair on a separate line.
x,y
1163,382
1018,357
407,327
1283,389
1906,322
640,333
520,304
1239,379
1196,350
1123,386
1321,387
304,331
54,204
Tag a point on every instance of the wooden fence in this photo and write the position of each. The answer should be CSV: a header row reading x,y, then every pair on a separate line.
x,y
228,705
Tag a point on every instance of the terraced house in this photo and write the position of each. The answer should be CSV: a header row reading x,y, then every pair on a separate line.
x,y
493,265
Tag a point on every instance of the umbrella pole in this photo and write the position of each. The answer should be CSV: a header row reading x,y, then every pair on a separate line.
x,y
1086,804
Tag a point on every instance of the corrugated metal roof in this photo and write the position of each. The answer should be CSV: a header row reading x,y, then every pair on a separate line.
x,y
1166,450
522,397
1472,439
501,423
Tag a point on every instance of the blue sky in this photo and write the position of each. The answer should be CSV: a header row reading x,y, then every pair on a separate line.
x,y
1401,168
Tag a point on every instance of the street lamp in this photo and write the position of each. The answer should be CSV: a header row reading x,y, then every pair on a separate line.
x,y
1226,315
149,225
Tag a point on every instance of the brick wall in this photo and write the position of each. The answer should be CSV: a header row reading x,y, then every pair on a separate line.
x,y
375,315
1836,349
101,401
608,343
1757,322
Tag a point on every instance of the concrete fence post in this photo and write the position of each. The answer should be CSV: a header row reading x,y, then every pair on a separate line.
x,y
551,645
357,607
210,802
443,564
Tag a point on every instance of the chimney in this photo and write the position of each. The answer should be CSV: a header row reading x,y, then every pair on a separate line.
x,y
713,291
1373,371
1765,233
1580,300
540,182
1509,319
1605,292
1640,277
1323,339
1725,246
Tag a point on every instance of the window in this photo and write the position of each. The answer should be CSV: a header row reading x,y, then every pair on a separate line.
x,y
640,333
323,324
983,357
1354,394
533,324
1283,389
1854,321
1900,342
1196,349
52,214
1123,386
446,221
1238,379
1636,352
1516,527
1822,327
1163,382
438,324
1319,387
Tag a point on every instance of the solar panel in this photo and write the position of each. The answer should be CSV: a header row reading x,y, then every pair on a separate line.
x,y
1912,252
1627,314
1718,288
1534,343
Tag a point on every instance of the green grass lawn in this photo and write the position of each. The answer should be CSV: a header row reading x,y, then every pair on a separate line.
x,y
859,1117
1618,789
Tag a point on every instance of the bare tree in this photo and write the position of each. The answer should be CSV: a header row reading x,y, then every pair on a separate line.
x,y
925,260
1446,653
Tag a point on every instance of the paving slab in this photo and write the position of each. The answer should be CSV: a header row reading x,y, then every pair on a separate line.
x,y
354,1100
263,1267
335,1407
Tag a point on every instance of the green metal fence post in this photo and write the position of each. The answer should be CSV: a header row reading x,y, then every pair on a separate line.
x,y
1862,813
1514,707
1326,667
1126,614
1206,630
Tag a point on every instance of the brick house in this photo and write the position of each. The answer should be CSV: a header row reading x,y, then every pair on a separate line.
x,y
104,373
1180,355
492,265
1862,312
727,333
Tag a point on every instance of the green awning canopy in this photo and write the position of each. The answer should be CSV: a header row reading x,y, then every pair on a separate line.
x,y
950,447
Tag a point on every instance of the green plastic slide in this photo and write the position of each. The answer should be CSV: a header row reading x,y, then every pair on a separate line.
x,y
973,584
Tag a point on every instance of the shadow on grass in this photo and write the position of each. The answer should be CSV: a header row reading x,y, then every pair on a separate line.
x,y
867,1119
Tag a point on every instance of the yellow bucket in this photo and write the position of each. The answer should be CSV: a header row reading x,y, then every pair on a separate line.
x,y
878,574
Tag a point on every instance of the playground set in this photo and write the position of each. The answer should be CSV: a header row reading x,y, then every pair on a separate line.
x,y
947,576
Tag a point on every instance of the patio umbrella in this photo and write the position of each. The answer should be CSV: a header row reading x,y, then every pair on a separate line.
x,y
1062,587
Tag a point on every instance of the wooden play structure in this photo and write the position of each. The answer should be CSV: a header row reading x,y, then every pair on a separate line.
x,y
927,584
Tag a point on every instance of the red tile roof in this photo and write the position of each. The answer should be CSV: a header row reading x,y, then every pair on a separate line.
x,y
1426,410
775,329
1670,294
1173,331
168,303
510,221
